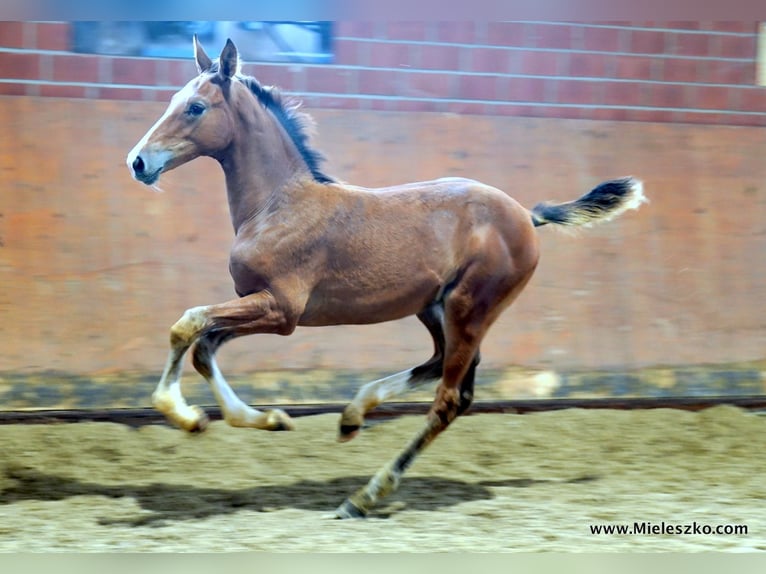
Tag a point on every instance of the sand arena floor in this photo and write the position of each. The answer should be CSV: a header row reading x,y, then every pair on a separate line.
x,y
501,483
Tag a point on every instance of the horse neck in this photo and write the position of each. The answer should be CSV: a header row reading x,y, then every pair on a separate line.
x,y
258,166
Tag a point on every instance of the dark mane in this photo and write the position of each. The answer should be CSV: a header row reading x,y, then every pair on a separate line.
x,y
296,123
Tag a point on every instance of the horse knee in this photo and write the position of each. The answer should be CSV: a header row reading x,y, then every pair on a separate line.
x,y
187,328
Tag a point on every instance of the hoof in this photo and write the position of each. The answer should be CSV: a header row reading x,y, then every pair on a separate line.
x,y
349,510
348,432
279,420
197,425
350,423
200,425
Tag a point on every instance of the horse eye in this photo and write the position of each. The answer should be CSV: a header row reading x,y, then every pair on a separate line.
x,y
195,109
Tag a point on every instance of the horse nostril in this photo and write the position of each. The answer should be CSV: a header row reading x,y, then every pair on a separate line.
x,y
138,165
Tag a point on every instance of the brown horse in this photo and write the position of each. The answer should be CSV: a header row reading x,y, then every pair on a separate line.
x,y
313,251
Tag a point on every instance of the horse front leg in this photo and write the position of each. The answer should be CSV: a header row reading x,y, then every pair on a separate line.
x,y
235,412
167,397
209,327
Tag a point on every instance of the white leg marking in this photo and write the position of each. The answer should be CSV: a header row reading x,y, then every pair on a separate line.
x,y
376,392
167,397
234,410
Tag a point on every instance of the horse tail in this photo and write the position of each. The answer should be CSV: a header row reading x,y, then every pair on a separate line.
x,y
602,203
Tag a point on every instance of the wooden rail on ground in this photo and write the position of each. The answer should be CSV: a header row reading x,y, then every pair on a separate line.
x,y
145,416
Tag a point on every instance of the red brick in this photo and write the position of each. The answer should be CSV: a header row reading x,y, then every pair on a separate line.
x,y
390,55
160,95
623,93
456,32
493,60
577,91
606,114
589,65
19,65
562,112
406,30
633,67
381,104
62,91
700,118
683,70
507,110
422,85
350,52
480,88
381,82
355,29
738,27
137,71
12,89
507,34
435,57
658,116
180,72
647,42
689,44
744,120
328,79
335,102
53,36
711,97
723,72
280,76
415,105
309,100
557,36
135,94
737,47
539,63
668,96
76,68
12,34
529,89
602,39
682,25
468,108
753,99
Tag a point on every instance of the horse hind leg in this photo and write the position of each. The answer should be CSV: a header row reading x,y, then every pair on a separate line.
x,y
387,479
454,395
470,309
376,392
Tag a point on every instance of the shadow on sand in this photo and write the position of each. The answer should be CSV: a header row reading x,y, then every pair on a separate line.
x,y
173,502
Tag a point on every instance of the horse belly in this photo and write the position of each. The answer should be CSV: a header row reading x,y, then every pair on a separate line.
x,y
367,303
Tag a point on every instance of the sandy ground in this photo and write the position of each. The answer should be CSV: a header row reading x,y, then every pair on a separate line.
x,y
499,483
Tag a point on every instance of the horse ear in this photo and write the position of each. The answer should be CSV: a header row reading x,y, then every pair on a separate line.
x,y
204,63
228,60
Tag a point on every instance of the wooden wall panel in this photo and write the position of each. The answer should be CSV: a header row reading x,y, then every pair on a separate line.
x,y
94,267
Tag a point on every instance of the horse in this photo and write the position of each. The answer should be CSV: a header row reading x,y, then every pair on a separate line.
x,y
310,250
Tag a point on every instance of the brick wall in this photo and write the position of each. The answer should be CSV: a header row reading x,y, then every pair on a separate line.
x,y
697,72
95,268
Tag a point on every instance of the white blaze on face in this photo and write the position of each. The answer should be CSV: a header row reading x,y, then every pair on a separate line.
x,y
153,157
